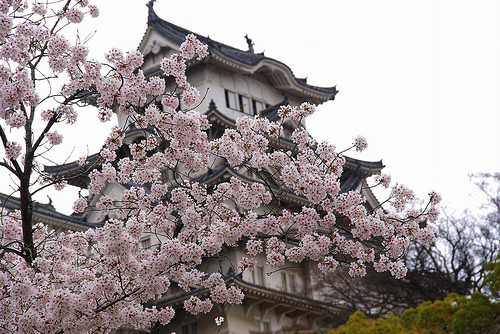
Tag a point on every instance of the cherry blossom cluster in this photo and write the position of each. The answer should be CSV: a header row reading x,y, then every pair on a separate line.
x,y
219,321
102,278
175,66
231,213
360,143
313,171
290,112
56,282
65,289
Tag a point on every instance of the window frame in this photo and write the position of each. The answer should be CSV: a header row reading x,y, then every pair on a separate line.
x,y
243,103
146,243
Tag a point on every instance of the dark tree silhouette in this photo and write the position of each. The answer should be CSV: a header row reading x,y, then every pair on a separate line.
x,y
465,243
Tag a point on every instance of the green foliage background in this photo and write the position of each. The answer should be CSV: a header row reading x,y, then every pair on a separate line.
x,y
478,313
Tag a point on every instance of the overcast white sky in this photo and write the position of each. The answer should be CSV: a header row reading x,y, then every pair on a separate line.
x,y
419,79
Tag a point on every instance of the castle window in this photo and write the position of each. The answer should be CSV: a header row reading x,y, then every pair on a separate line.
x,y
146,243
231,100
288,283
291,284
258,106
258,276
191,328
283,282
264,326
244,104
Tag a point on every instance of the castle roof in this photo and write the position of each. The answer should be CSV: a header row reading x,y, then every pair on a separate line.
x,y
290,304
246,62
47,214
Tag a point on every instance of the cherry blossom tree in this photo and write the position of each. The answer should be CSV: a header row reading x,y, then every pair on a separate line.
x,y
455,263
100,279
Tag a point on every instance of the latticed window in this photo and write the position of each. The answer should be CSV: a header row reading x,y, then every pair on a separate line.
x,y
146,243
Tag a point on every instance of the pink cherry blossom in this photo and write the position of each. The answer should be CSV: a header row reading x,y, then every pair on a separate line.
x,y
12,150
106,276
54,138
357,269
360,143
329,264
94,11
79,205
74,15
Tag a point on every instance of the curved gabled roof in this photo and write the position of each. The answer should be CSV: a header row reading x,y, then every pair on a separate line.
x,y
75,174
247,61
178,35
46,213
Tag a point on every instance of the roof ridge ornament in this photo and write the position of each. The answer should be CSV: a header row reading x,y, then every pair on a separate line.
x,y
150,4
249,42
211,105
151,12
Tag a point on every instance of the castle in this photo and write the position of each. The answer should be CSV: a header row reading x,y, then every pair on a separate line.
x,y
235,83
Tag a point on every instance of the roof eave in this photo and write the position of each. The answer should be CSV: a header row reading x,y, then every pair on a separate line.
x,y
245,61
280,75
